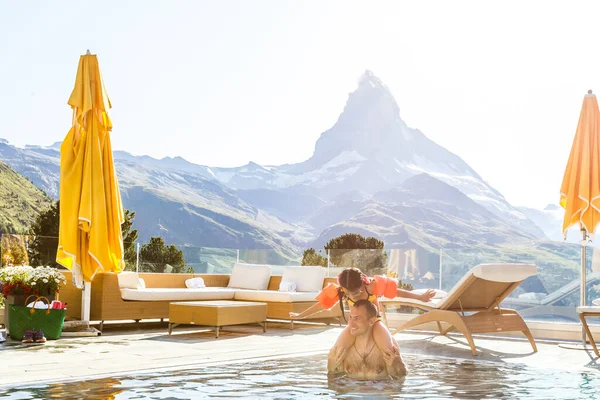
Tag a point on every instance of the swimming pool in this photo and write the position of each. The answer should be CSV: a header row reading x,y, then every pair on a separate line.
x,y
305,377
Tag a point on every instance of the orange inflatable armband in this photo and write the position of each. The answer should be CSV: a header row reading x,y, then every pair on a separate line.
x,y
384,286
328,297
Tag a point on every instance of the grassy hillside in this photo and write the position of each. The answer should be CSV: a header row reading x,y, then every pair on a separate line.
x,y
20,201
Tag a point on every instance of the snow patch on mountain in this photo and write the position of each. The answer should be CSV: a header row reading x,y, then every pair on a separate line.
x,y
345,157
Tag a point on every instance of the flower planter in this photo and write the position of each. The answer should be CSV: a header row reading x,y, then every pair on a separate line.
x,y
16,300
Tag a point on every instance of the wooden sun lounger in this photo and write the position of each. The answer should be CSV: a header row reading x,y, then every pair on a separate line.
x,y
478,293
589,312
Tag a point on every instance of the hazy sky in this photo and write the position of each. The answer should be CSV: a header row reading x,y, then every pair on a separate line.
x,y
222,83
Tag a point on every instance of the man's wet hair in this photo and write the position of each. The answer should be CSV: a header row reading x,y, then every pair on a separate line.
x,y
371,307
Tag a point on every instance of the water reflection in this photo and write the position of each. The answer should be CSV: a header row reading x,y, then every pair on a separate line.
x,y
105,389
305,377
351,388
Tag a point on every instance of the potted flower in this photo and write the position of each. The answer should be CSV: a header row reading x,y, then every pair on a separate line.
x,y
20,282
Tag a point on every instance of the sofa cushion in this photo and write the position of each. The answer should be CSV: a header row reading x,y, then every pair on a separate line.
x,y
129,280
250,276
285,286
307,279
195,283
177,294
274,296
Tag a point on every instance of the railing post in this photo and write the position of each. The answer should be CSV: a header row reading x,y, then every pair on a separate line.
x,y
137,257
441,263
237,257
328,264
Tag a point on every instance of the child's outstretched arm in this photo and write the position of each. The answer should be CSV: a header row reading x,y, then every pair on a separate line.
x,y
425,297
316,308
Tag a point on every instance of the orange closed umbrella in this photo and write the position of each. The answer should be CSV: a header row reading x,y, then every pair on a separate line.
x,y
580,190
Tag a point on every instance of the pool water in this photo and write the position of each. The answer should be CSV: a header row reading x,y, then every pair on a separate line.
x,y
306,378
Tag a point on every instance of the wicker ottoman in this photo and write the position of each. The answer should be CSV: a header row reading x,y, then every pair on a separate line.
x,y
217,313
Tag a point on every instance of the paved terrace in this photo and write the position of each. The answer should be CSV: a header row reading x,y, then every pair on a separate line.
x,y
129,348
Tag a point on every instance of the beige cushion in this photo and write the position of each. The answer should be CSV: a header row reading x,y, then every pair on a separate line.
x,y
307,279
438,293
129,280
505,273
250,276
414,302
177,294
274,296
588,309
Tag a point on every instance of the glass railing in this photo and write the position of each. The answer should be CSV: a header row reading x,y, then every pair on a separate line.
x,y
552,295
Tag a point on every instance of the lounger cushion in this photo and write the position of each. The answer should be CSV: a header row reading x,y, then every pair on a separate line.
x,y
414,302
177,294
275,296
250,276
588,309
503,272
438,293
307,279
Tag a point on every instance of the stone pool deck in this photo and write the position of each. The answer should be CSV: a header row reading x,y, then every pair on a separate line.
x,y
126,349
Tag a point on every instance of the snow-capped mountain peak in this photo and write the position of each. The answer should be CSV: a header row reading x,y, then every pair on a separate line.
x,y
369,149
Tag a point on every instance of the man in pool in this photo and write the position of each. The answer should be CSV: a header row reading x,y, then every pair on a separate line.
x,y
364,360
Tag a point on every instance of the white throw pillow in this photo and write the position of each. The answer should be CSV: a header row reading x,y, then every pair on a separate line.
x,y
307,279
596,302
194,283
250,276
438,293
141,283
128,280
285,286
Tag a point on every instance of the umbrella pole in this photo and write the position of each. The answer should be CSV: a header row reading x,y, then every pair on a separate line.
x,y
583,278
86,300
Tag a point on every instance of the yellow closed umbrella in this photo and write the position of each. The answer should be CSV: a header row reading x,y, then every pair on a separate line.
x,y
580,190
91,214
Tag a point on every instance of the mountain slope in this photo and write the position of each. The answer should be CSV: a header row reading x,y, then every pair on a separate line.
x,y
20,201
38,164
423,212
176,200
550,220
